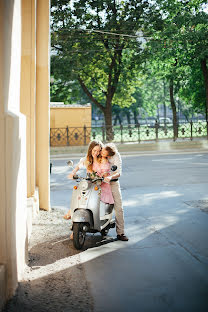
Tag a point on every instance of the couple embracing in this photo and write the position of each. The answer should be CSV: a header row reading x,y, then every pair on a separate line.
x,y
99,159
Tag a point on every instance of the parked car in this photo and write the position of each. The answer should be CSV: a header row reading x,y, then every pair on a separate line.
x,y
163,121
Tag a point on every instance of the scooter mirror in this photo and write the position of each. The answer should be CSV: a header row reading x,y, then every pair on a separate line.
x,y
113,168
70,163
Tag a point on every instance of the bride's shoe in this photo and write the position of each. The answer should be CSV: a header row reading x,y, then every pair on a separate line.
x,y
67,216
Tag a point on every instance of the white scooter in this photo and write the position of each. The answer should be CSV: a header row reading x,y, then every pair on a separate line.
x,y
88,212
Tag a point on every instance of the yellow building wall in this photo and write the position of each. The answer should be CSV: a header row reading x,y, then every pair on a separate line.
x,y
70,116
75,118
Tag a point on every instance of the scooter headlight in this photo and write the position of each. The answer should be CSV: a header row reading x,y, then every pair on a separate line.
x,y
84,185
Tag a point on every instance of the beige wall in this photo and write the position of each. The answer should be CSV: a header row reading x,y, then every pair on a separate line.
x,y
71,117
13,212
24,125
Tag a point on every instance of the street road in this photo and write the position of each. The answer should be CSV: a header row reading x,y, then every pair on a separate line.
x,y
164,266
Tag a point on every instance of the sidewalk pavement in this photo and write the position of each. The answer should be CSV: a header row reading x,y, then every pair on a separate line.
x,y
162,147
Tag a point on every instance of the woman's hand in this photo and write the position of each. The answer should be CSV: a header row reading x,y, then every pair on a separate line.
x,y
105,175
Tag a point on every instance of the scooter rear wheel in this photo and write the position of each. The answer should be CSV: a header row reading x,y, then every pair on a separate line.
x,y
78,235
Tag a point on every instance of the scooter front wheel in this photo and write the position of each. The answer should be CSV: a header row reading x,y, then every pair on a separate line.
x,y
78,235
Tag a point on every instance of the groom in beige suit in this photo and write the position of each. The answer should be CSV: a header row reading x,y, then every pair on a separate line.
x,y
110,151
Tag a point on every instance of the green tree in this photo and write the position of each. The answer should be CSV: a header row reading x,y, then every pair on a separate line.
x,y
192,91
180,42
68,92
154,92
96,43
134,108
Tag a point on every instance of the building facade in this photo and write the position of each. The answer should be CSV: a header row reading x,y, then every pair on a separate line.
x,y
70,124
24,126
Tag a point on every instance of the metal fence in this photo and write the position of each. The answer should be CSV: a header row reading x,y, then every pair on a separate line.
x,y
127,133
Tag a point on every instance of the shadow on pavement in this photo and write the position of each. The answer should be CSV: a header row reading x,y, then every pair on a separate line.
x,y
156,273
62,247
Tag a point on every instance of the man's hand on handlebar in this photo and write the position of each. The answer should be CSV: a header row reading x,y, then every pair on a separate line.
x,y
107,179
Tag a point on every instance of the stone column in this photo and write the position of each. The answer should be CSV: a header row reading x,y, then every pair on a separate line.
x,y
42,103
28,85
13,212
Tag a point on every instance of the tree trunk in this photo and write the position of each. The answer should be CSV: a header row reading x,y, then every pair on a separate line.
x,y
128,117
107,110
187,117
173,106
136,121
117,117
108,121
164,105
205,74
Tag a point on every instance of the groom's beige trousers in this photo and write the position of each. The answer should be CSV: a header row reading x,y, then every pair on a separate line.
x,y
118,207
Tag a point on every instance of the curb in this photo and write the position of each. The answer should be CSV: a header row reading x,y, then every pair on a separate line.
x,y
138,149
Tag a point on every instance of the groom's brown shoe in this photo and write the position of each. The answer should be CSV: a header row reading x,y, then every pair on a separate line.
x,y
122,237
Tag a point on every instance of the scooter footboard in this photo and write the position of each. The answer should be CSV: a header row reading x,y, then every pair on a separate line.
x,y
82,215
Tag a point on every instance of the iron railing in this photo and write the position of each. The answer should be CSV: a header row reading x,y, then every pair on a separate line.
x,y
127,133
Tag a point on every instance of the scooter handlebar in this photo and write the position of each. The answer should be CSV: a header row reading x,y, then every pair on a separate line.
x,y
97,179
76,177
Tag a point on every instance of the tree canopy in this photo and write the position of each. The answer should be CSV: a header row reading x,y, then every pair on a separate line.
x,y
178,51
97,43
115,51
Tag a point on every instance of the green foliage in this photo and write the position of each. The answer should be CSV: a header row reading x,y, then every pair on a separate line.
x,y
95,42
177,47
192,92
